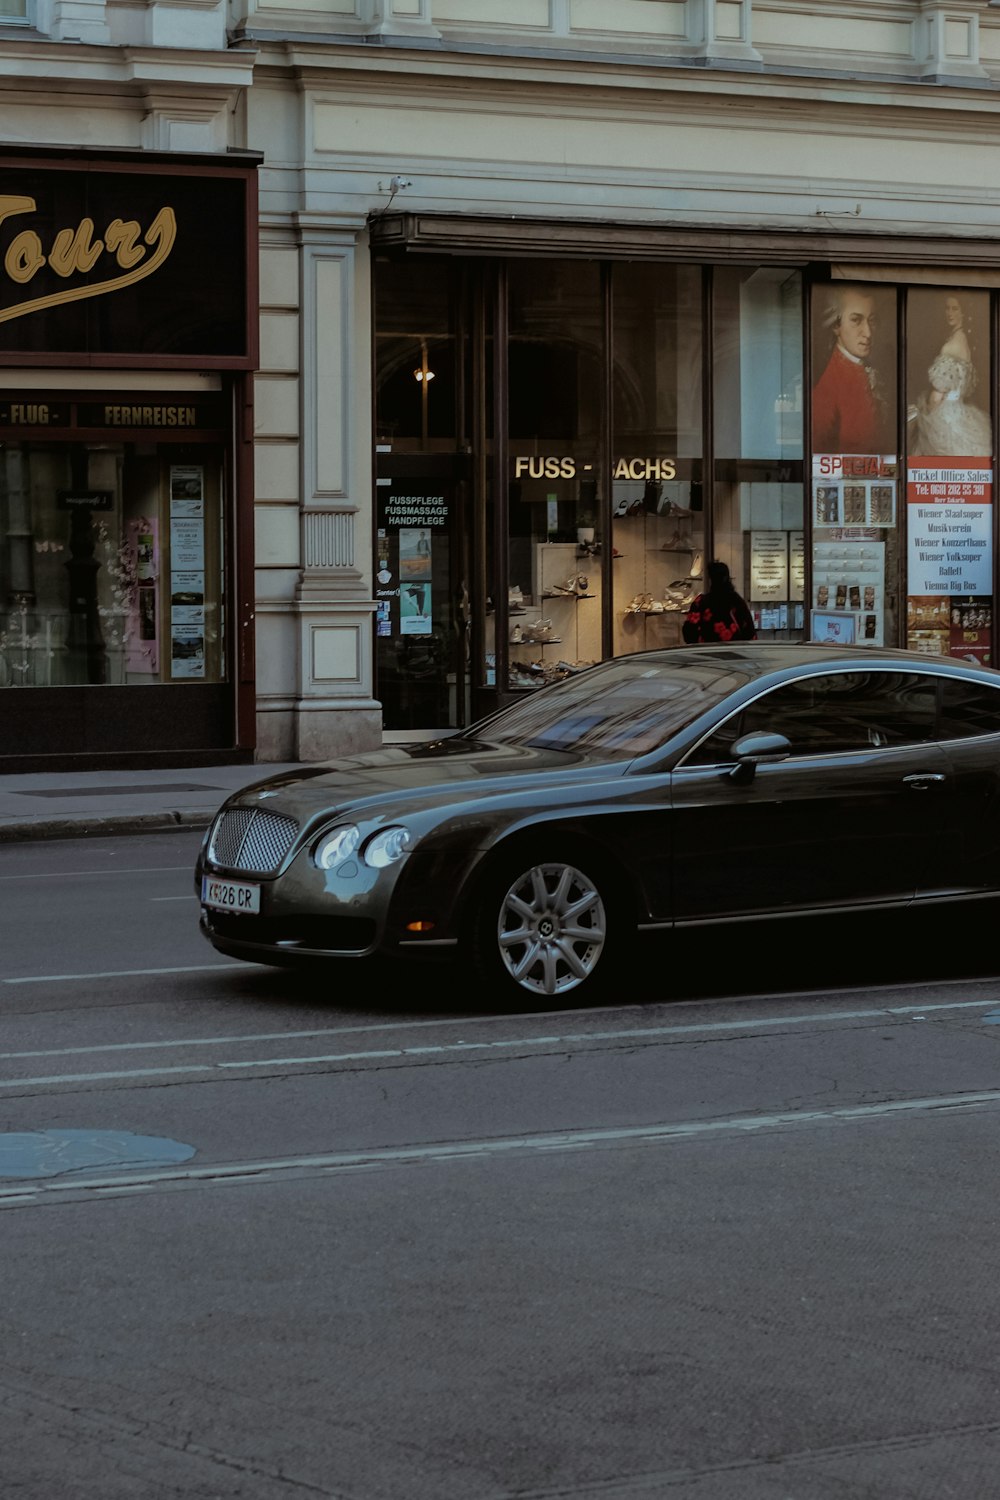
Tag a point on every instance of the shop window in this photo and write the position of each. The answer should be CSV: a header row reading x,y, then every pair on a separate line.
x,y
855,464
424,508
949,488
759,506
417,356
556,491
657,557
111,565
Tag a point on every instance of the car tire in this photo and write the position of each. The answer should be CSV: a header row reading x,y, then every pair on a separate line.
x,y
545,927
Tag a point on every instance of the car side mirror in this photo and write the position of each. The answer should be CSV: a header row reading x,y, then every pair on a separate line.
x,y
753,750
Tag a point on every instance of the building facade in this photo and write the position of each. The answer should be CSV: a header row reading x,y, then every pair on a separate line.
x,y
128,341
550,301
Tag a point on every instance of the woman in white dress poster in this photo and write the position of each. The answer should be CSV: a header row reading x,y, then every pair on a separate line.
x,y
946,421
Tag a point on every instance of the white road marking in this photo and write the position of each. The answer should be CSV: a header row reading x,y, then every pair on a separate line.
x,y
124,973
111,870
442,1049
116,1183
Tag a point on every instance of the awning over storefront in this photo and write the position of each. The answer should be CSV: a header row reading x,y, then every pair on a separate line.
x,y
931,260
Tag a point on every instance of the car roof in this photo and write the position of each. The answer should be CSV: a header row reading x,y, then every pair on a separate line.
x,y
764,658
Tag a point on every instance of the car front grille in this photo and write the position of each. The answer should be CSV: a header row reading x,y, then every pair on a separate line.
x,y
247,838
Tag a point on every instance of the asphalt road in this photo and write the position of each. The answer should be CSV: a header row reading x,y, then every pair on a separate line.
x,y
266,1235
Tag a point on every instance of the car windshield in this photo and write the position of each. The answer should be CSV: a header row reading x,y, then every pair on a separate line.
x,y
620,709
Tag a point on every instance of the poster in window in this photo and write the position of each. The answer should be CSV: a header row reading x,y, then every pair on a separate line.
x,y
187,650
187,490
768,567
851,489
415,553
853,369
415,609
948,374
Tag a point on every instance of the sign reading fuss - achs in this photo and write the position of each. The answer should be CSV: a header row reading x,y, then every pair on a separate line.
x,y
565,466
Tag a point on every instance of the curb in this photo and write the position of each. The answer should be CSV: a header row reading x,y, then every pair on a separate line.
x,y
112,826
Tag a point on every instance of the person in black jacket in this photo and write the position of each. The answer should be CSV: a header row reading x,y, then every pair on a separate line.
x,y
720,614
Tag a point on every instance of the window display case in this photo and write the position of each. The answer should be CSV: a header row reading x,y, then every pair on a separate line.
x,y
556,629
658,561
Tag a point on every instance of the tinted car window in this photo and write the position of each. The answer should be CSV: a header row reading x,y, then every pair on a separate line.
x,y
621,709
969,708
835,712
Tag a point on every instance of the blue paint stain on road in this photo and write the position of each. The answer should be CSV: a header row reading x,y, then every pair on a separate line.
x,y
52,1153
993,1019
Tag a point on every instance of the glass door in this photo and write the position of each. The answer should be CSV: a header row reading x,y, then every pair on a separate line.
x,y
421,595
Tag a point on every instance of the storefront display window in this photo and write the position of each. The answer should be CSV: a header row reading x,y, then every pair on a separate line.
x,y
129,335
418,357
657,491
556,411
111,564
758,500
949,488
423,517
855,464
836,453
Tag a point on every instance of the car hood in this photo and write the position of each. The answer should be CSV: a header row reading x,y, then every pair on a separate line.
x,y
419,776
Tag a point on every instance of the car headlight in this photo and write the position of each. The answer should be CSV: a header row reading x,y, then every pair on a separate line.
x,y
336,846
386,847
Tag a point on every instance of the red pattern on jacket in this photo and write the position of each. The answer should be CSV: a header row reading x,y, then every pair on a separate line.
x,y
701,623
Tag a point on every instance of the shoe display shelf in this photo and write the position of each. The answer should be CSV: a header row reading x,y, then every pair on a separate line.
x,y
659,574
565,591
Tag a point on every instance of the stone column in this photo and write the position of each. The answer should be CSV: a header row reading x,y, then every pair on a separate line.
x,y
721,31
335,713
76,21
946,41
409,18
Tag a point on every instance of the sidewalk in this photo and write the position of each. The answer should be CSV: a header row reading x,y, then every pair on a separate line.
x,y
74,804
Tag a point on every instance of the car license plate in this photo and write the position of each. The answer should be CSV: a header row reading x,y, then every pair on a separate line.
x,y
230,895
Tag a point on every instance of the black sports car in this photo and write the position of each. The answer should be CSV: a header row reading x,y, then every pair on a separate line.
x,y
695,785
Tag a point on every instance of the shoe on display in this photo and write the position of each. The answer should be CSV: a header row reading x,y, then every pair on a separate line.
x,y
621,509
678,595
539,631
516,636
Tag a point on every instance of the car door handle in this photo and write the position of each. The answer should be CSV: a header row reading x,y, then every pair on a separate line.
x,y
922,780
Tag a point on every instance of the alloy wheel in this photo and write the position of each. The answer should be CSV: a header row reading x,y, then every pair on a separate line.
x,y
552,929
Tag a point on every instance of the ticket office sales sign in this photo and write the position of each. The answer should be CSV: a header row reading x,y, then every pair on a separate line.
x,y
949,526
